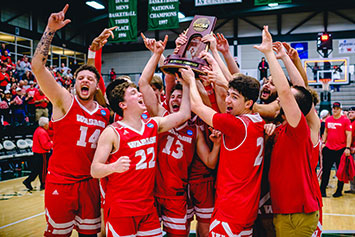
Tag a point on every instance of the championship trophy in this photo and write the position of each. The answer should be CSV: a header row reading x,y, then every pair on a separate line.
x,y
189,52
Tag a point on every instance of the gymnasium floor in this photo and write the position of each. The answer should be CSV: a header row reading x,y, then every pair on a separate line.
x,y
22,212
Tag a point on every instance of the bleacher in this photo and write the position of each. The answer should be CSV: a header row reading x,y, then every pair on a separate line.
x,y
15,151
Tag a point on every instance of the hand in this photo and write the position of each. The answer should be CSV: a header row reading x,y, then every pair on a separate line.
x,y
208,57
121,165
211,40
347,152
269,128
352,150
187,75
56,20
159,46
148,42
291,52
266,44
181,40
279,50
215,136
101,40
222,43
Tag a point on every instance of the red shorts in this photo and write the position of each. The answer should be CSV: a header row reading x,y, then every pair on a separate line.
x,y
173,215
220,228
201,200
71,206
146,225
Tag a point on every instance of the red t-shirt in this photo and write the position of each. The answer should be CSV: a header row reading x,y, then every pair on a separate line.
x,y
31,92
291,176
176,149
131,193
240,167
4,79
336,138
353,133
41,141
75,139
38,97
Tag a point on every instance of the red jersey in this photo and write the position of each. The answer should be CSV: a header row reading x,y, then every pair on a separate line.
x,y
176,148
315,159
291,175
336,138
353,134
131,193
75,139
31,92
240,167
39,97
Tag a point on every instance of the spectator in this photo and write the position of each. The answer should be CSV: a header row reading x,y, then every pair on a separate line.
x,y
3,49
263,67
24,66
63,69
42,144
112,74
41,104
5,109
31,109
337,139
4,77
352,147
18,107
68,73
6,57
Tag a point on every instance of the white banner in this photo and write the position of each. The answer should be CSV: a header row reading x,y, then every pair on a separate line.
x,y
199,3
347,46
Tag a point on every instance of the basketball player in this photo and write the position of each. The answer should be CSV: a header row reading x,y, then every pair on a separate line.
x,y
72,198
292,179
175,152
126,154
240,162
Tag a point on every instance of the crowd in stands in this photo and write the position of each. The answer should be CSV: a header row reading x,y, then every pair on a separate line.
x,y
21,100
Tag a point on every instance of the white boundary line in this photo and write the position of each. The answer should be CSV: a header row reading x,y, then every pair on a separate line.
x,y
336,214
19,221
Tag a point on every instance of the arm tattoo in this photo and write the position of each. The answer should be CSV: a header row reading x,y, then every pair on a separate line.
x,y
43,46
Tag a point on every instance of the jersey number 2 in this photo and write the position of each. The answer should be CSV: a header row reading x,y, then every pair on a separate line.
x,y
92,139
142,164
259,158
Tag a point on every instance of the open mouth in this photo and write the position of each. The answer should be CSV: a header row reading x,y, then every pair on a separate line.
x,y
84,90
265,93
229,109
175,107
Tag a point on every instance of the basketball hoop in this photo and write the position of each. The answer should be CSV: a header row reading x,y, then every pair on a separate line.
x,y
325,83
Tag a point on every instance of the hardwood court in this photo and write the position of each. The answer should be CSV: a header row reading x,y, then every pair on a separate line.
x,y
22,212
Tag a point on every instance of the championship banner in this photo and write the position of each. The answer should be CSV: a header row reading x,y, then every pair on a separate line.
x,y
266,2
199,3
163,14
123,13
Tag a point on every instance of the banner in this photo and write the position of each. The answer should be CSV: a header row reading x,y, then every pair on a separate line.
x,y
347,46
302,49
163,14
199,3
266,2
123,13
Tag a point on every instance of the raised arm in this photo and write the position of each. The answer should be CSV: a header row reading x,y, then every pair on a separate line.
x,y
107,143
287,100
210,158
58,95
293,54
223,47
198,107
213,47
153,106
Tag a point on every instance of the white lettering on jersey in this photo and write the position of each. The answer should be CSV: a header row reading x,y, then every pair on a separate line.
x,y
87,121
334,125
182,138
142,142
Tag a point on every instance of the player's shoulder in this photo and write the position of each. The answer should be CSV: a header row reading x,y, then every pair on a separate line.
x,y
254,118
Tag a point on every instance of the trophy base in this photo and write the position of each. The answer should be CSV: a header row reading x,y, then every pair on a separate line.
x,y
174,62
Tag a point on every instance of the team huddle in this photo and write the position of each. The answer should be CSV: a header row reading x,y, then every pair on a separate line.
x,y
205,149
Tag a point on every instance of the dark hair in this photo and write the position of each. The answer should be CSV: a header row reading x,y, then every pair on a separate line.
x,y
177,86
304,99
115,92
247,86
88,68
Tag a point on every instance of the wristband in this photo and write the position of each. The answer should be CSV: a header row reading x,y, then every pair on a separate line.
x,y
347,147
91,54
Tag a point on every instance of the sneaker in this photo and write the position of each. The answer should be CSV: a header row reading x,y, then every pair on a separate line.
x,y
349,191
324,195
336,194
28,185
